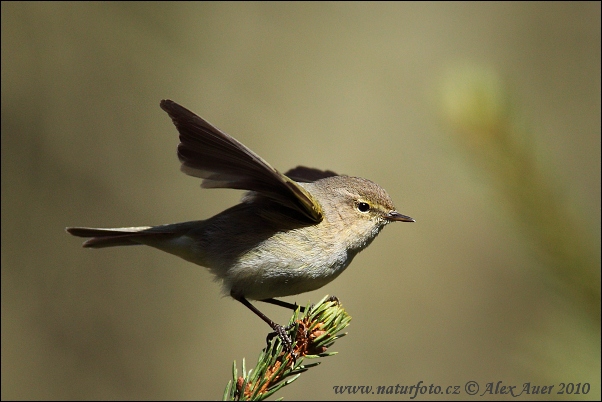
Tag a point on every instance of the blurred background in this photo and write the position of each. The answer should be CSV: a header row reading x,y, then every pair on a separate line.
x,y
482,121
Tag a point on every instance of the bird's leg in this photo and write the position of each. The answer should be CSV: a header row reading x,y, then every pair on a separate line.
x,y
278,329
292,306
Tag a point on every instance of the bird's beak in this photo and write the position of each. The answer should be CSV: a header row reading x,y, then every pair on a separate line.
x,y
396,216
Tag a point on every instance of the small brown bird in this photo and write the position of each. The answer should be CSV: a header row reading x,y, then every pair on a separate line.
x,y
291,233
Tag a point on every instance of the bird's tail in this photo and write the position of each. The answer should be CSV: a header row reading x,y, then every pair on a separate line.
x,y
116,236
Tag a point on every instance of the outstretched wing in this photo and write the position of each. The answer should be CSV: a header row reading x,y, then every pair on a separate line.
x,y
223,162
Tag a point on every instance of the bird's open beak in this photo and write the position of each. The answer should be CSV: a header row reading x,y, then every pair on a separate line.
x,y
396,216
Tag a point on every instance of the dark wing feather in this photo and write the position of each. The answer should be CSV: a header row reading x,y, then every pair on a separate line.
x,y
306,175
223,162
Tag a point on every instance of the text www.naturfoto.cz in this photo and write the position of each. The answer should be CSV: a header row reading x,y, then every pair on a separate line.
x,y
381,389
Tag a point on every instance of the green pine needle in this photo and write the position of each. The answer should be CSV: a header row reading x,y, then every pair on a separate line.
x,y
313,333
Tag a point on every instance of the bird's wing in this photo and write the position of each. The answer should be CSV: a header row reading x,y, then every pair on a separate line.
x,y
306,175
223,162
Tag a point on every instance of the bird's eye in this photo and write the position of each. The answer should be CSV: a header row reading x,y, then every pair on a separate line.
x,y
363,206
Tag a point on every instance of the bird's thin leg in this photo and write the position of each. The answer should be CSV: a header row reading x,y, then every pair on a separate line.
x,y
278,329
292,306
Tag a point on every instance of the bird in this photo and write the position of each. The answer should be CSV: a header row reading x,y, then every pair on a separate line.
x,y
291,233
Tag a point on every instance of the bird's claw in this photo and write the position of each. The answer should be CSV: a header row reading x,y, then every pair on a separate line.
x,y
282,333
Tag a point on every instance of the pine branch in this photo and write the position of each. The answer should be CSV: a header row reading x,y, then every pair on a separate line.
x,y
313,333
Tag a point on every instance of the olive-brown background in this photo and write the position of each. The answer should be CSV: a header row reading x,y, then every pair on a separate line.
x,y
459,295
